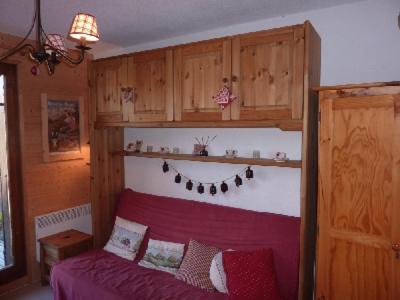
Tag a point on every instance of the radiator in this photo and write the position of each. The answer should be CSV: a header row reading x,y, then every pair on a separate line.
x,y
78,217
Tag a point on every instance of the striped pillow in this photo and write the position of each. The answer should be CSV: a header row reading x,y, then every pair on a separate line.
x,y
195,267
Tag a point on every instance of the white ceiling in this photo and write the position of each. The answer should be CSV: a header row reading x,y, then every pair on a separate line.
x,y
126,23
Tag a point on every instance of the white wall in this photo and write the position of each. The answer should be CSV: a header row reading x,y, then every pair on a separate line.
x,y
273,189
360,43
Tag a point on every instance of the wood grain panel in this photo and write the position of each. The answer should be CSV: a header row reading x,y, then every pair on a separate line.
x,y
361,168
201,70
150,74
358,196
353,267
109,78
267,73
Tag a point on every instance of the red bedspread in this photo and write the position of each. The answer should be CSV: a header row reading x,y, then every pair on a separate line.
x,y
79,278
100,275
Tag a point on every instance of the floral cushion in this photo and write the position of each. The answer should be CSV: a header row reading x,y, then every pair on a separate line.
x,y
163,256
126,238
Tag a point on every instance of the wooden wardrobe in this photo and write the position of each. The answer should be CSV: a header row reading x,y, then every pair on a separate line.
x,y
358,251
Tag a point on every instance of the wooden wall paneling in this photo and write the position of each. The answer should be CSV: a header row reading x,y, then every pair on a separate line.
x,y
309,173
53,186
359,183
107,180
396,195
267,74
150,74
200,71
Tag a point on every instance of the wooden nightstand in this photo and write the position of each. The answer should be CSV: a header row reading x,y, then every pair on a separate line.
x,y
59,246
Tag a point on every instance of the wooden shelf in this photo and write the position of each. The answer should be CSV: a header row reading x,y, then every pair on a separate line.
x,y
216,159
285,125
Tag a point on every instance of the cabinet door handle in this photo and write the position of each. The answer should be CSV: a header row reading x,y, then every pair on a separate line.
x,y
225,80
234,78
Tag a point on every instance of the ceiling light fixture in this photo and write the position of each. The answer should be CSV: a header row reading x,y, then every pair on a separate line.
x,y
50,48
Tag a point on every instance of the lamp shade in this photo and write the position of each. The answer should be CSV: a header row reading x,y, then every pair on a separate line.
x,y
84,27
56,42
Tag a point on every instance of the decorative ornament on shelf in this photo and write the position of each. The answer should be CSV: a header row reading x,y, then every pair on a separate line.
x,y
50,48
136,146
201,147
224,97
213,185
165,167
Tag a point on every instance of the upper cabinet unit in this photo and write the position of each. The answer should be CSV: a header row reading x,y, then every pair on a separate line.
x,y
108,79
134,88
150,78
201,70
269,72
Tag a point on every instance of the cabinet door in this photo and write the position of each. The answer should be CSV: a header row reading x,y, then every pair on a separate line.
x,y
267,74
359,199
150,74
200,71
109,78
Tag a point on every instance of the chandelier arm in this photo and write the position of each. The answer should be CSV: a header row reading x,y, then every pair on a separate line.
x,y
15,50
71,60
20,45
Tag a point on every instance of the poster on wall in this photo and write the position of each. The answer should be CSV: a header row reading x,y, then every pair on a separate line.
x,y
62,128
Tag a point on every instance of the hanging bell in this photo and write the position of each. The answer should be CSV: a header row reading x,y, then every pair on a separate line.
x,y
249,173
238,181
200,189
189,185
165,167
224,187
178,178
213,189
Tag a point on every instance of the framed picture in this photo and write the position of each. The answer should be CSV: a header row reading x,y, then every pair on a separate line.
x,y
62,127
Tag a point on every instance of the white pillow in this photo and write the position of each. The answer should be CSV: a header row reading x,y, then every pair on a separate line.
x,y
163,256
217,273
126,238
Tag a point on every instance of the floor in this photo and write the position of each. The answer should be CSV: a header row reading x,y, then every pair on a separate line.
x,y
31,292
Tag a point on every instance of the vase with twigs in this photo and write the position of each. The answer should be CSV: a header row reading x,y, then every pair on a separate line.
x,y
204,144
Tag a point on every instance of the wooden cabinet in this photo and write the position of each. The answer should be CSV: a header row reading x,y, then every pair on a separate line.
x,y
268,71
200,71
359,193
109,77
267,74
150,75
134,88
59,246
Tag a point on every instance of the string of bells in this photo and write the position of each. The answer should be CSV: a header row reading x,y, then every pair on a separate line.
x,y
248,172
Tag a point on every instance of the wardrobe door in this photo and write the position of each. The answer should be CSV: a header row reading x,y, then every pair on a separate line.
x,y
268,74
359,199
200,71
109,78
150,75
